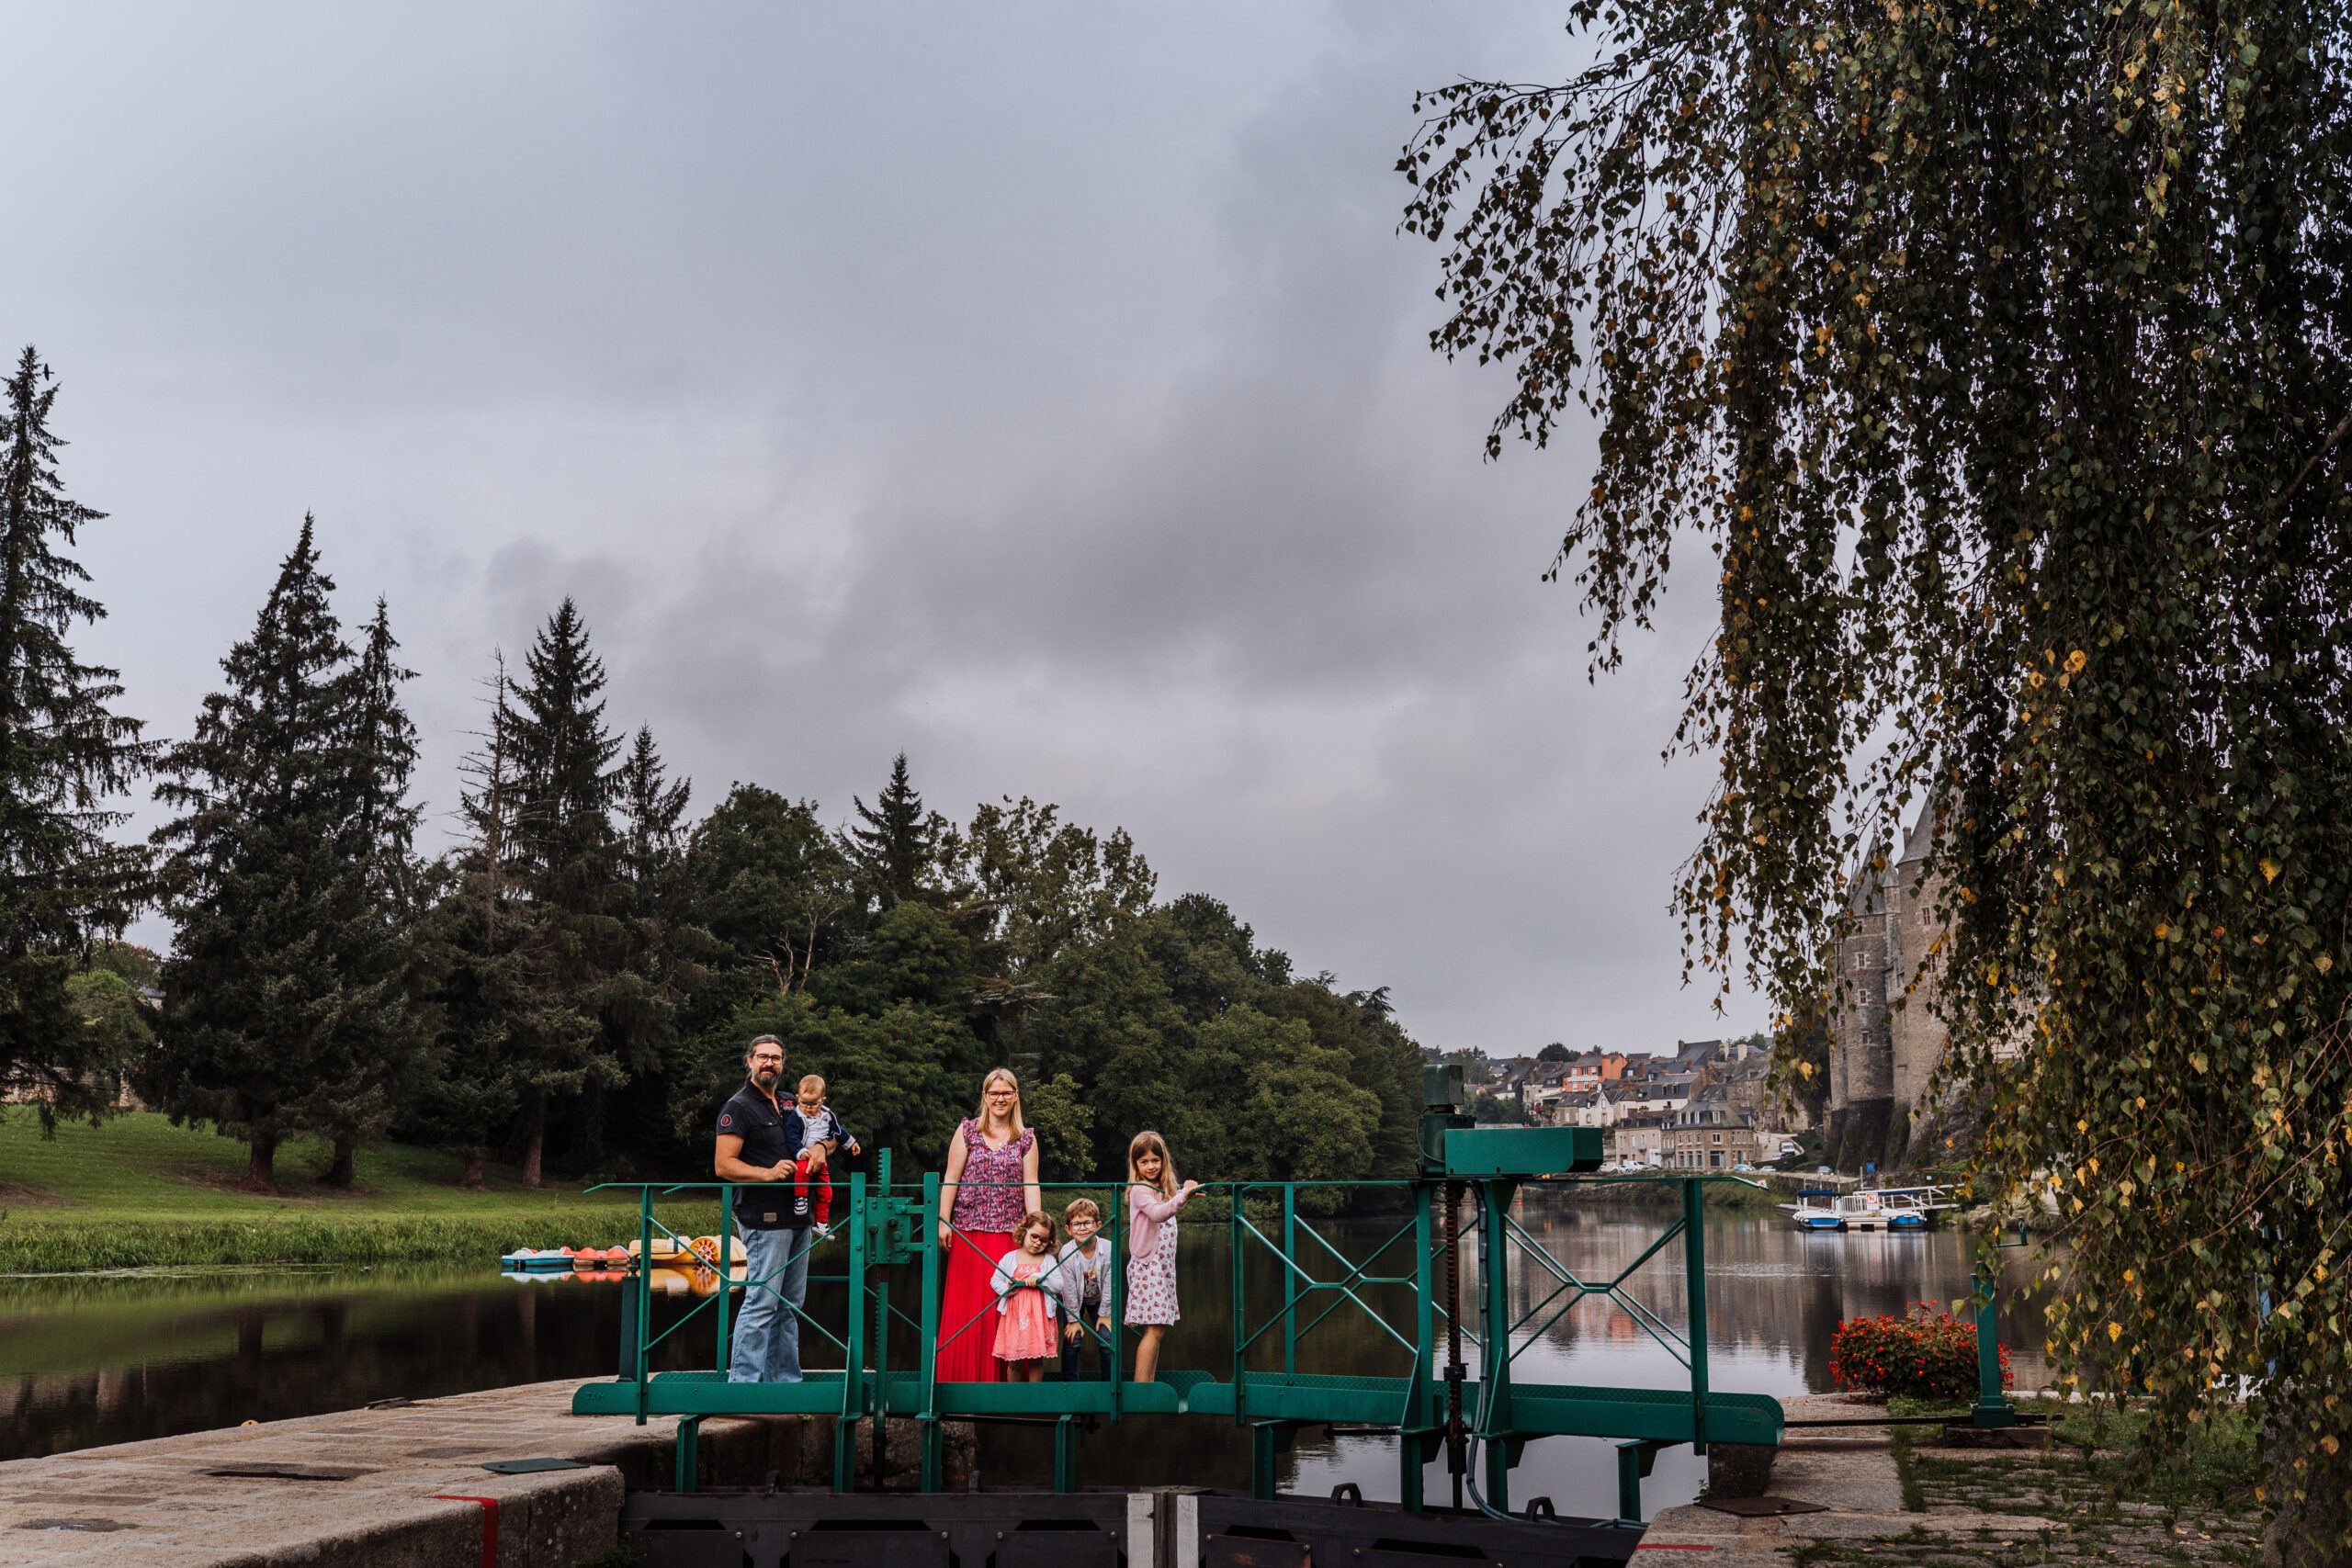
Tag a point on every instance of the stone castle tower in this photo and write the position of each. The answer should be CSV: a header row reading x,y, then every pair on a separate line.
x,y
1886,1041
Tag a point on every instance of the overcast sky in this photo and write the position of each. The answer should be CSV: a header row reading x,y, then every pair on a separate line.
x,y
1040,389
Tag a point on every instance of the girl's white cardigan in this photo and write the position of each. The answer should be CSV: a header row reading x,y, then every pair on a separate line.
x,y
1004,1284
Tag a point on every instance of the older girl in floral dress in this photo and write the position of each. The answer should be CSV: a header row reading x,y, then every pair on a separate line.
x,y
991,1181
1153,1198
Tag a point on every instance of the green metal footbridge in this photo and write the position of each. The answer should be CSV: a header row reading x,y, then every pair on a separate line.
x,y
1462,1200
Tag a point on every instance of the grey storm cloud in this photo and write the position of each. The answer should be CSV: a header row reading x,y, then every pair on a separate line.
x,y
1042,389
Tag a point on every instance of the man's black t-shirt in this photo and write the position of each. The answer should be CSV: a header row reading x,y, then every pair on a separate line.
x,y
770,1133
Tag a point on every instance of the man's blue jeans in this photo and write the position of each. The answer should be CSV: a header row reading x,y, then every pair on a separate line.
x,y
766,1346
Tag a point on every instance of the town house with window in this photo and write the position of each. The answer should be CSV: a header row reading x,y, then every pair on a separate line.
x,y
1638,1139
1710,1133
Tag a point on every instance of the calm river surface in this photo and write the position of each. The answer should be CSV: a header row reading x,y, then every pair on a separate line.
x,y
87,1359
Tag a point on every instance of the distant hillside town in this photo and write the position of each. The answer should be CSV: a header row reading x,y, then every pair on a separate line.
x,y
1706,1105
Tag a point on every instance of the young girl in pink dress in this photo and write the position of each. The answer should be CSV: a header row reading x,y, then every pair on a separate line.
x,y
1153,1198
1028,1316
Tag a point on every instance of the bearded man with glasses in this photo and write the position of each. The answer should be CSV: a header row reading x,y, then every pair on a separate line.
x,y
760,1135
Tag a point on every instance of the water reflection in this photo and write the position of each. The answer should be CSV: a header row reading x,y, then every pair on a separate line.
x,y
89,1359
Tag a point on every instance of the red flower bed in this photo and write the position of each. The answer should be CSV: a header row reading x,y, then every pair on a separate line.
x,y
1924,1354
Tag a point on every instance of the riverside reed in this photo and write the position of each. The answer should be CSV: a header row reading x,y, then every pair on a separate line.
x,y
65,1246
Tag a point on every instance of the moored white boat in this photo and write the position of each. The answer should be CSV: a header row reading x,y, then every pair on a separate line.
x,y
1888,1209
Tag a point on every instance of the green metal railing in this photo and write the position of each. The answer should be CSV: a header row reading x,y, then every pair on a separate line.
x,y
1398,1278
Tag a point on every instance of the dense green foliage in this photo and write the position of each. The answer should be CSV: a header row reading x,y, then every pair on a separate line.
x,y
64,750
1018,939
2003,356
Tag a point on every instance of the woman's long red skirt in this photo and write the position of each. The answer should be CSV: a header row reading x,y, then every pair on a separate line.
x,y
967,1310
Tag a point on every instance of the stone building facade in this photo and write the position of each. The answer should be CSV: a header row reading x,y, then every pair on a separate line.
x,y
1886,1041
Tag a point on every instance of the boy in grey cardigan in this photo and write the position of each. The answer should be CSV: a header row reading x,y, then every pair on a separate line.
x,y
1082,1276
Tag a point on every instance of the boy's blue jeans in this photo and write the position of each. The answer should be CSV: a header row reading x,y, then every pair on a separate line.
x,y
1074,1353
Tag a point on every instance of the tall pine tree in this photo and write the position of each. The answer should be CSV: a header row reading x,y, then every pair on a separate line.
x,y
563,855
62,753
654,813
288,984
896,841
354,1098
669,948
472,1095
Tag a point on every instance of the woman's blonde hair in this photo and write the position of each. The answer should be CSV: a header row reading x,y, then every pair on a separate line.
x,y
1149,1143
981,1115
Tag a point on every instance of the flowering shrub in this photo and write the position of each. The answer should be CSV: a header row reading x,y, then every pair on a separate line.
x,y
1924,1354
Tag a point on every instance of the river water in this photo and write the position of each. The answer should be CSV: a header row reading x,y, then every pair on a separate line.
x,y
88,1360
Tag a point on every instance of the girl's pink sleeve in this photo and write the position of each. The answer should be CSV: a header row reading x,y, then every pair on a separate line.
x,y
1150,1205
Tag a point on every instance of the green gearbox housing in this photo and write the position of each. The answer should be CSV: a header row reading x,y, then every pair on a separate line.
x,y
1470,1151
1455,1146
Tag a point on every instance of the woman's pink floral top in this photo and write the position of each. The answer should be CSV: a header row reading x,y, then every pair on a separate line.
x,y
990,1210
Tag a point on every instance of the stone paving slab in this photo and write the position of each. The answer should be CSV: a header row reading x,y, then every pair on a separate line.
x,y
1849,1481
1943,1521
1670,1556
152,1504
1693,1537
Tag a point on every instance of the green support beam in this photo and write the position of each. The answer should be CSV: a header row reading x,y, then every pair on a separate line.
x,y
873,1227
1269,1440
1635,1462
1694,1271
1497,1429
1416,1442
1290,1279
856,1377
1993,1408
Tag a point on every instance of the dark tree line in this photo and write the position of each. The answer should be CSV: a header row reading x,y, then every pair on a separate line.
x,y
569,987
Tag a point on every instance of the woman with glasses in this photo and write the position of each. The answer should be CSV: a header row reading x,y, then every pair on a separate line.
x,y
991,1181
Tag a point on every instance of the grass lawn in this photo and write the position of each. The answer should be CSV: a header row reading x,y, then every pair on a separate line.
x,y
140,1164
137,1192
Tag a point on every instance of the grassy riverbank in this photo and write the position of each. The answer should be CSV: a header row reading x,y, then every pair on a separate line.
x,y
137,1192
